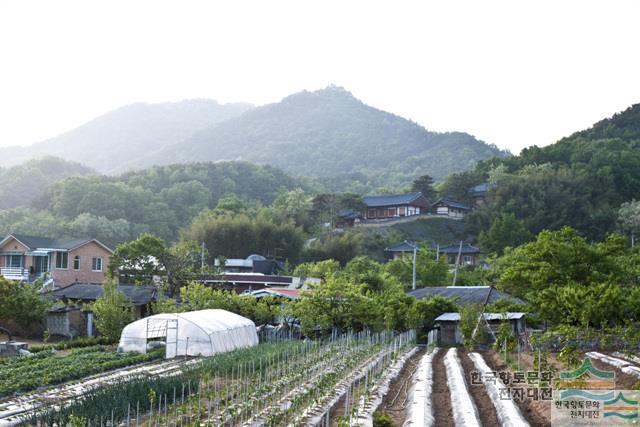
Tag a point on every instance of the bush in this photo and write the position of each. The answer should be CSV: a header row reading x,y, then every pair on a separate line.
x,y
381,419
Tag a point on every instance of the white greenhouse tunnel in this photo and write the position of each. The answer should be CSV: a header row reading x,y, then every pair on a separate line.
x,y
194,333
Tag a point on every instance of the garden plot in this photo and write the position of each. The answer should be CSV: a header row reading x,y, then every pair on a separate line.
x,y
13,409
419,411
507,412
271,384
624,365
463,407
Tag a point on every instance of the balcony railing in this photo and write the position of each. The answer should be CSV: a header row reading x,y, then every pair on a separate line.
x,y
15,273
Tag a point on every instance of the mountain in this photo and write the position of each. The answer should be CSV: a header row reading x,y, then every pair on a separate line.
x,y
579,181
21,185
623,125
327,133
114,141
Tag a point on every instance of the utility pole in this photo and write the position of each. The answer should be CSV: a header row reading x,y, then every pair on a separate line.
x,y
202,258
455,271
413,283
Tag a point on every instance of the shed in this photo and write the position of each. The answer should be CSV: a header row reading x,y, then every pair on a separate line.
x,y
194,333
451,208
449,325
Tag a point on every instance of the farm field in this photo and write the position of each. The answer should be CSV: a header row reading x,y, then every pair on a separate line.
x,y
290,382
21,374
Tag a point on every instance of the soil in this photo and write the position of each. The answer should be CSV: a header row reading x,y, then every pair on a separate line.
x,y
623,381
486,409
398,390
440,397
537,412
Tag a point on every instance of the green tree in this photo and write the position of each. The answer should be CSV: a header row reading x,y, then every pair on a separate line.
x,y
21,302
429,271
424,184
113,311
147,257
505,231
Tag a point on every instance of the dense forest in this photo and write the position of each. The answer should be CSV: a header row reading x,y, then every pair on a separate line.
x,y
580,181
21,185
161,200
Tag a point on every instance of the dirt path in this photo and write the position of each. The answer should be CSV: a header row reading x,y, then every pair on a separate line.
x,y
440,398
395,401
486,409
537,412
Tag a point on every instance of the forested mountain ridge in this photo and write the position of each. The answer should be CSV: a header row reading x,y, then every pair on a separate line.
x,y
580,181
162,200
115,141
22,184
327,133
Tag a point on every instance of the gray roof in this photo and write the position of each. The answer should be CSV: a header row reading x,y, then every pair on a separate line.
x,y
67,243
402,247
453,249
452,203
139,295
396,199
480,189
464,295
455,317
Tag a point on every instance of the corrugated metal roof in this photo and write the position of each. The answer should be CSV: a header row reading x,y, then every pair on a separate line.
x,y
392,200
455,317
464,295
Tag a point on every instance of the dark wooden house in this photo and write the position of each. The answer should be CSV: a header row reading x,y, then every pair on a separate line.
x,y
395,206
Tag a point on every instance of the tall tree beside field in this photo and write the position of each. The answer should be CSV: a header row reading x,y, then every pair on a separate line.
x,y
113,311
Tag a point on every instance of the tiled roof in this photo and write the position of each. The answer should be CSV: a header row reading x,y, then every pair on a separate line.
x,y
452,203
402,247
139,295
453,249
464,295
391,200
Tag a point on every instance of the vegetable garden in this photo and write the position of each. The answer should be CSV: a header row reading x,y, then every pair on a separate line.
x,y
290,382
22,374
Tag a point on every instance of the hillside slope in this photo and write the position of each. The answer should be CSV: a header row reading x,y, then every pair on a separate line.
x,y
116,140
327,133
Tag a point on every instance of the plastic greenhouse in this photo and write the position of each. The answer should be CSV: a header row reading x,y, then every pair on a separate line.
x,y
195,333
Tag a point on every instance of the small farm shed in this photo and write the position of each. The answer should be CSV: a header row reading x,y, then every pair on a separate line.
x,y
194,333
449,325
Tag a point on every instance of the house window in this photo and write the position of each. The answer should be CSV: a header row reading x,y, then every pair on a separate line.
x,y
62,260
467,259
13,261
96,263
371,213
76,263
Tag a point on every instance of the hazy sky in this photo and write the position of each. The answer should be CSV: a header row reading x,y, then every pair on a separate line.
x,y
513,73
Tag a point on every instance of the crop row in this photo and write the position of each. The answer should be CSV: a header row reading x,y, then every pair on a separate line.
x,y
23,374
264,385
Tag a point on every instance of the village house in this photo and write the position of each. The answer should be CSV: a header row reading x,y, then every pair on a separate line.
x,y
451,208
395,206
64,260
469,255
70,318
479,194
400,250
